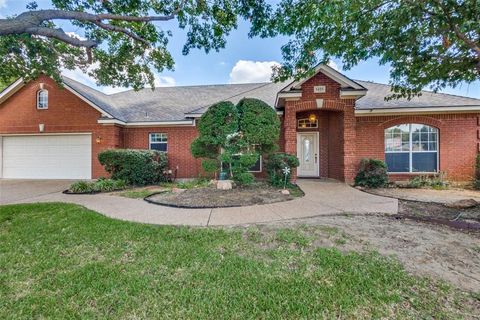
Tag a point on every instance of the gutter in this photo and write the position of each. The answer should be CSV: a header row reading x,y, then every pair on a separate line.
x,y
174,123
418,110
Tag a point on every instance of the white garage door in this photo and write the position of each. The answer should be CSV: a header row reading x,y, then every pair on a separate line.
x,y
47,157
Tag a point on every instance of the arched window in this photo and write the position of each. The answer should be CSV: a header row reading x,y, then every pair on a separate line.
x,y
42,99
411,148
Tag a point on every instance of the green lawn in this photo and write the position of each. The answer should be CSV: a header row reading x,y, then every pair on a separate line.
x,y
64,261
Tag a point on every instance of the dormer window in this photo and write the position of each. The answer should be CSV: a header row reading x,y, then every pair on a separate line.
x,y
42,99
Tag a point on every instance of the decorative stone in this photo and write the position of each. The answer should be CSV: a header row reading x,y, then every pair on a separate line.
x,y
462,204
224,184
285,192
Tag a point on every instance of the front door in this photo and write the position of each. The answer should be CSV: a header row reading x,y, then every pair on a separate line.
x,y
307,152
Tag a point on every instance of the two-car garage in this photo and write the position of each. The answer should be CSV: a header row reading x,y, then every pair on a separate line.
x,y
46,156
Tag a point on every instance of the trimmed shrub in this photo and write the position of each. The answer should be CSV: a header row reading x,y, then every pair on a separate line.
x,y
135,167
372,174
259,124
244,178
275,165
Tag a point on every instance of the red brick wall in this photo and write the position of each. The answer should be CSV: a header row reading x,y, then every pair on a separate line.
x,y
336,126
66,113
457,140
335,163
179,140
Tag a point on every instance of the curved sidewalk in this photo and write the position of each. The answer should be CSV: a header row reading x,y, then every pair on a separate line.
x,y
321,198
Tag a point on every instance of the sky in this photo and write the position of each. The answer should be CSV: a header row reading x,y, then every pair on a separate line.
x,y
243,60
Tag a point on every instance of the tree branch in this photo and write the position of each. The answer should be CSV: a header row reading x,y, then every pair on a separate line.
x,y
59,34
127,32
31,23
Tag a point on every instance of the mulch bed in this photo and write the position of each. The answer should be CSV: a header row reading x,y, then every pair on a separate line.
x,y
466,219
211,197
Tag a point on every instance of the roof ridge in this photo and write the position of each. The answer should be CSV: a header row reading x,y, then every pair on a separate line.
x,y
426,91
235,95
197,86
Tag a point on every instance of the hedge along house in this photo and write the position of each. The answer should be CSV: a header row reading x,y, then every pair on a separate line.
x,y
328,120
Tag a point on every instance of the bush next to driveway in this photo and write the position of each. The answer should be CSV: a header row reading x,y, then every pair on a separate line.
x,y
135,167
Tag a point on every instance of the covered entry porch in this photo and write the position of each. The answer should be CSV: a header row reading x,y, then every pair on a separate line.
x,y
322,137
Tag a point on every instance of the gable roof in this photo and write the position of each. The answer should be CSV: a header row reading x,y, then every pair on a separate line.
x,y
181,103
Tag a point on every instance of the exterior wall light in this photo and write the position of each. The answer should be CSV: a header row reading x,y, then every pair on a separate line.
x,y
312,118
98,140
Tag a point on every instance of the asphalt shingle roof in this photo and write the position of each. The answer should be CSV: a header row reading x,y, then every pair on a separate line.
x,y
175,103
375,99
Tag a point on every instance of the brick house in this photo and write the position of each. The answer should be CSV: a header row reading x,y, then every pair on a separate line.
x,y
329,121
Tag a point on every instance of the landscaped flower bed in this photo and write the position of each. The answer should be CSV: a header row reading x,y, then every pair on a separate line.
x,y
101,185
211,197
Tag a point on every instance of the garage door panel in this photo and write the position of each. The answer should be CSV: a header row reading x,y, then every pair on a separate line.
x,y
47,157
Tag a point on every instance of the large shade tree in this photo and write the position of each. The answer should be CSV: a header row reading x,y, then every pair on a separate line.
x,y
433,43
123,41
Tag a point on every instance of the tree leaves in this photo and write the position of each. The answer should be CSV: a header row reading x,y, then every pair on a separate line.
x,y
408,35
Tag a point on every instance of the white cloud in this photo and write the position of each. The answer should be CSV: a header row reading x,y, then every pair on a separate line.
x,y
74,35
164,81
80,76
3,3
332,65
245,71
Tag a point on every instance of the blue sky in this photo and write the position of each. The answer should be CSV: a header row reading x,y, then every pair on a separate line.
x,y
243,59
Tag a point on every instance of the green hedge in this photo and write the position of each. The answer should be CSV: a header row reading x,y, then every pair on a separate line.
x,y
372,174
135,167
275,165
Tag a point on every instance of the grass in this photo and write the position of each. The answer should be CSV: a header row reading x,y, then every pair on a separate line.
x,y
64,261
137,193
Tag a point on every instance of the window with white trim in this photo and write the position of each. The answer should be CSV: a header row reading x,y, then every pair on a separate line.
x,y
42,99
306,123
159,141
411,148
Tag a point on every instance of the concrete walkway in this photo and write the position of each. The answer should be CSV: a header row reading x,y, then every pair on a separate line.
x,y
321,198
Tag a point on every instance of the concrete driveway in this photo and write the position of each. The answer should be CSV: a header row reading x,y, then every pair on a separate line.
x,y
23,190
321,198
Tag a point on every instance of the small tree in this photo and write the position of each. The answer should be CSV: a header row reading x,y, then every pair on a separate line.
x,y
235,136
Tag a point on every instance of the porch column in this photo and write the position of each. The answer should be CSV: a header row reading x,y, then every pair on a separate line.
x,y
290,131
349,142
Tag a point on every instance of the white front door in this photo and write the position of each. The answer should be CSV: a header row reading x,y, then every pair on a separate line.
x,y
46,156
307,153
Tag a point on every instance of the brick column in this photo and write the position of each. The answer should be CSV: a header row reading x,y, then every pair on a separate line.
x,y
349,141
290,132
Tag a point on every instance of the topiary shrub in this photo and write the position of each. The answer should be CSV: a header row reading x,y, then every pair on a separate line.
x,y
135,167
231,138
275,165
372,174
